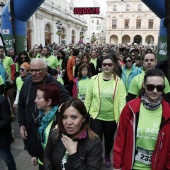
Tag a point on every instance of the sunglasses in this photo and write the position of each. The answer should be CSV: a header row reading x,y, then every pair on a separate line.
x,y
151,87
128,61
22,69
107,64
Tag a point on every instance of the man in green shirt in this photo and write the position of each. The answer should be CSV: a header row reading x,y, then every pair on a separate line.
x,y
51,60
149,62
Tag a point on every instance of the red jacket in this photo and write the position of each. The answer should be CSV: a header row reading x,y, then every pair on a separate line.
x,y
124,145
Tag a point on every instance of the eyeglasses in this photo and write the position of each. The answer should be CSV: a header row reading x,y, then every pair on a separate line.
x,y
36,70
107,64
22,69
128,61
151,87
77,60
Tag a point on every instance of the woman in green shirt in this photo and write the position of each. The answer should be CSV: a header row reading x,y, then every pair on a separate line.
x,y
105,99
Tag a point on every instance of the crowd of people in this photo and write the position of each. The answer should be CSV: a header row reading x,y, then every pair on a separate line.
x,y
69,99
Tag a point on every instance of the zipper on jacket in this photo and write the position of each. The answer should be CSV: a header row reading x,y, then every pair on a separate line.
x,y
133,153
162,140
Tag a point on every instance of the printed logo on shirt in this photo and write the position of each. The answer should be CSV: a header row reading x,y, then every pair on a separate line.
x,y
107,93
148,133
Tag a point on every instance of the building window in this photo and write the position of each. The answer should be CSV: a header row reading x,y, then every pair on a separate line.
x,y
126,24
114,7
98,28
92,21
114,24
150,24
97,22
127,7
138,24
139,7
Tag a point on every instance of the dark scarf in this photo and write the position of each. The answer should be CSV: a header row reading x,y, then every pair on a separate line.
x,y
151,106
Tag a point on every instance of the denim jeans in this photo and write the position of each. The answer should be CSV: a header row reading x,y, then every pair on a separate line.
x,y
6,155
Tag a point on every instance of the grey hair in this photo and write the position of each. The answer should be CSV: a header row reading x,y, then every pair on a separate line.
x,y
39,60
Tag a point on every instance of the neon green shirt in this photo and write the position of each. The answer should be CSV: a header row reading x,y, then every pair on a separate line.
x,y
19,83
147,134
94,61
1,80
51,61
82,87
7,62
106,97
136,84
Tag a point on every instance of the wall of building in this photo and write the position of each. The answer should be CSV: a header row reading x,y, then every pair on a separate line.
x,y
130,10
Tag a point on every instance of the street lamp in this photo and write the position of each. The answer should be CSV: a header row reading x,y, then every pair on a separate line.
x,y
81,36
59,24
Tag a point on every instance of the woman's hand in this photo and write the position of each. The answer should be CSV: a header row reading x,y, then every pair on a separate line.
x,y
69,144
34,161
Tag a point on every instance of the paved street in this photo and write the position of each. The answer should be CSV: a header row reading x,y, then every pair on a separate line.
x,y
22,158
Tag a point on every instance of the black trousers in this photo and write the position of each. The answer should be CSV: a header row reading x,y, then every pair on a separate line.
x,y
106,128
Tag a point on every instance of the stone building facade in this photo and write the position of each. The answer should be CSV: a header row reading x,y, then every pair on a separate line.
x,y
131,21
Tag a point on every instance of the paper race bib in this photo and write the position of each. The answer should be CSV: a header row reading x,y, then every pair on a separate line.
x,y
144,156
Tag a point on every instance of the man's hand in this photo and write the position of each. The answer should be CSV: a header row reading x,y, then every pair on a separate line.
x,y
23,132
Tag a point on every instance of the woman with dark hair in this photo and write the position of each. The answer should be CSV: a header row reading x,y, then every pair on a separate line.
x,y
127,71
22,57
72,145
105,99
47,103
62,67
143,135
85,58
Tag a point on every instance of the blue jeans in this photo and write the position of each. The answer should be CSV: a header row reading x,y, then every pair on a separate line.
x,y
6,155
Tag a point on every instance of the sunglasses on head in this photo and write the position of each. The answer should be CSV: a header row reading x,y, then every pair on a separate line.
x,y
151,87
107,64
128,61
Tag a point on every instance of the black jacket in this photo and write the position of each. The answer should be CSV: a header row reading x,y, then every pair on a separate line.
x,y
5,122
87,157
27,112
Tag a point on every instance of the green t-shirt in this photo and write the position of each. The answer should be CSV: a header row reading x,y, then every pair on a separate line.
x,y
51,61
19,83
147,134
128,71
1,80
136,84
106,112
94,61
64,160
7,62
82,87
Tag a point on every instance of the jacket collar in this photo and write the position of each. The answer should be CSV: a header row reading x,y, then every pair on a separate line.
x,y
135,106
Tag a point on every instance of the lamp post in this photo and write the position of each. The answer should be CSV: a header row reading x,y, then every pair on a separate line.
x,y
1,8
59,24
81,36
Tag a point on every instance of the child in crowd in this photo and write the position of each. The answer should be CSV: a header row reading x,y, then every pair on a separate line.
x,y
57,76
81,82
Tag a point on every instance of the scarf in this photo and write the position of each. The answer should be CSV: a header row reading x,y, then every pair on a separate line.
x,y
84,77
45,121
150,106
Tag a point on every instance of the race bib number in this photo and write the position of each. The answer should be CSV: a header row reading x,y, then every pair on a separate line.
x,y
144,156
